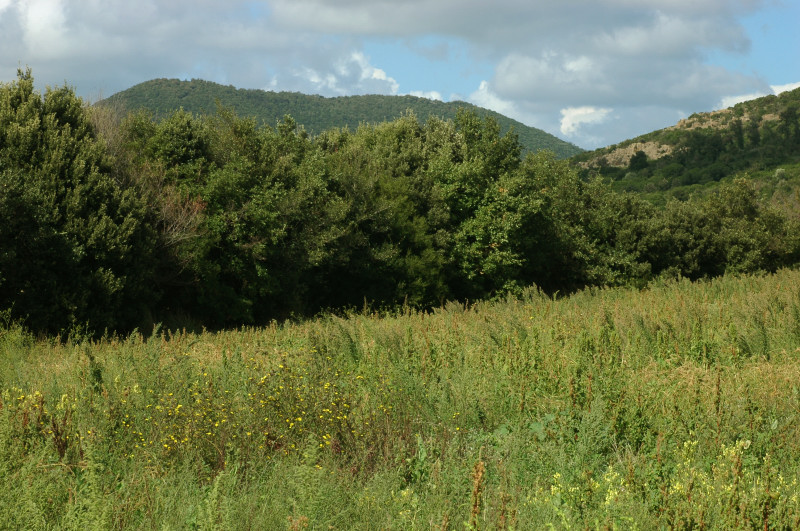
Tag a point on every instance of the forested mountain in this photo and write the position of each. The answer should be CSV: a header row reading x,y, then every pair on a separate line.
x,y
315,113
759,138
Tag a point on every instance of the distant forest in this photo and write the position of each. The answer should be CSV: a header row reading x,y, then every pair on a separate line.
x,y
316,114
216,220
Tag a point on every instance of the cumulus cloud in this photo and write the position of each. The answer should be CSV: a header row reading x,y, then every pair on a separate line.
x,y
370,78
501,21
102,46
348,76
431,95
648,55
486,97
573,117
730,101
777,89
550,76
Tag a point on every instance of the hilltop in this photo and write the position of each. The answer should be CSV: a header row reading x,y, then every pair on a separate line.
x,y
759,138
315,113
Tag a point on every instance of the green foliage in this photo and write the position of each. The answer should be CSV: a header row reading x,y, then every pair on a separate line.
x,y
73,245
394,223
638,161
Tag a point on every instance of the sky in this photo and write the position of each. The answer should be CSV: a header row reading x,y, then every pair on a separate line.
x,y
592,72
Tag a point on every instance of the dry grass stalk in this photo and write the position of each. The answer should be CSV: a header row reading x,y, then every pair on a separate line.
x,y
477,490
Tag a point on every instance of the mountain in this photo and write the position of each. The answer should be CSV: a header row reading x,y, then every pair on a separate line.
x,y
760,138
315,113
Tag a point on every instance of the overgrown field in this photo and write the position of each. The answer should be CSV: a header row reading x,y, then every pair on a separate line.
x,y
672,407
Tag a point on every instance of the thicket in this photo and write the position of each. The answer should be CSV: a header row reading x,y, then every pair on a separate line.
x,y
216,221
672,407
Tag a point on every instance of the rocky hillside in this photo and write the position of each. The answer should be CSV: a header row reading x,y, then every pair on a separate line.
x,y
755,137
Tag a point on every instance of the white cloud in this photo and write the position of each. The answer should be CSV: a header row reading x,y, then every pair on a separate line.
x,y
777,89
666,35
551,76
485,97
730,101
573,117
502,21
549,56
43,23
431,95
371,76
352,74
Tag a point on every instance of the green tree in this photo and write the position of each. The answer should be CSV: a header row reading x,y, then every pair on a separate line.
x,y
749,236
753,131
790,125
74,247
737,131
638,161
392,241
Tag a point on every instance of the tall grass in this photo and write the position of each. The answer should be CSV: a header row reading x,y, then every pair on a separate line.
x,y
676,406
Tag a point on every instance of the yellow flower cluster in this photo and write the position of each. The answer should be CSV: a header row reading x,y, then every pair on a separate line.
x,y
261,406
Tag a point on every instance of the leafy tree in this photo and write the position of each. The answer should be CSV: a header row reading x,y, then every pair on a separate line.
x,y
790,125
638,161
681,242
74,247
391,242
237,223
753,132
737,132
730,231
749,237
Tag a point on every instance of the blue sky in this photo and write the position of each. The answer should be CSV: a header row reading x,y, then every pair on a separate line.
x,y
594,72
775,44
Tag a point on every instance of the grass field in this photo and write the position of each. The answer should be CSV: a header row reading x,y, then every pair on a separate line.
x,y
673,407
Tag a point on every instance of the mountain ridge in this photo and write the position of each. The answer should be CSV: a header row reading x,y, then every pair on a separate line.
x,y
314,112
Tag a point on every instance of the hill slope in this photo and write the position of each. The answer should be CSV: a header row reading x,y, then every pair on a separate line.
x,y
315,113
760,137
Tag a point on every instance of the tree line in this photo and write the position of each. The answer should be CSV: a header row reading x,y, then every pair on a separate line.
x,y
216,221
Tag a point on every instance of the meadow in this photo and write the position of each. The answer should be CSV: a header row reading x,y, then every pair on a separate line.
x,y
675,406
